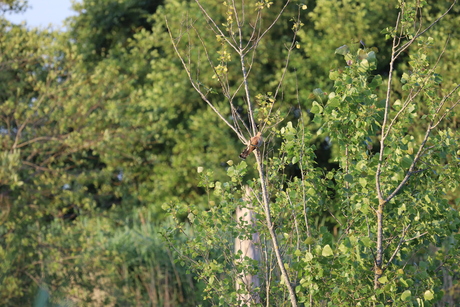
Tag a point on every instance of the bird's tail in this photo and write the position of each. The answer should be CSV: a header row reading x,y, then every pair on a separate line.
x,y
244,154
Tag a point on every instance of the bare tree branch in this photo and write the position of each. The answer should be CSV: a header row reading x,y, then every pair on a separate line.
x,y
420,33
198,90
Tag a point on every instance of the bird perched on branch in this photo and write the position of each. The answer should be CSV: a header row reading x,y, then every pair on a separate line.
x,y
255,142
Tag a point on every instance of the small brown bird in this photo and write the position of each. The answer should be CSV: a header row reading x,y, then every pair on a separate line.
x,y
255,142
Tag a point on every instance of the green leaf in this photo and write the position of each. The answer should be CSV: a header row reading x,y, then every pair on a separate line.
x,y
343,248
406,161
383,279
376,82
241,166
348,178
327,251
366,241
308,257
316,108
405,77
411,108
405,296
334,102
342,50
231,171
318,120
334,75
428,295
427,199
402,209
311,192
318,93
363,182
364,66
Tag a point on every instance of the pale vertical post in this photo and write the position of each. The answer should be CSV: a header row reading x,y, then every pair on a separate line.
x,y
250,283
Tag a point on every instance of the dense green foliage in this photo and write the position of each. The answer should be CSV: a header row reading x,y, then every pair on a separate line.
x,y
101,136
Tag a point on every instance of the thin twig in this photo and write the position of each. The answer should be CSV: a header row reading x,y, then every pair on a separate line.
x,y
401,241
420,33
198,90
216,28
385,116
443,101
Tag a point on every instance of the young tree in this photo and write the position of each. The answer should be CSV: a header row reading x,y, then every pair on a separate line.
x,y
242,34
375,230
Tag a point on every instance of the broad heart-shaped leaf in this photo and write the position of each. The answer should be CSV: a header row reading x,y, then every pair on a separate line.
x,y
406,295
327,251
428,295
348,178
407,161
308,257
334,75
366,241
230,171
316,108
318,93
376,81
342,50
383,279
334,102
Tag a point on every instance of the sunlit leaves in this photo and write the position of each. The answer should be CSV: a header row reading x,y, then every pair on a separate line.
x,y
327,251
263,4
342,50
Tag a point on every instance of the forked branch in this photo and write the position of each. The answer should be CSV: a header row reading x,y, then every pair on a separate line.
x,y
387,126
